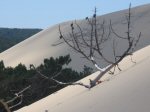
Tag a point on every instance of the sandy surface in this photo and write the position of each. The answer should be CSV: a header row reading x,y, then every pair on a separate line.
x,y
126,91
39,46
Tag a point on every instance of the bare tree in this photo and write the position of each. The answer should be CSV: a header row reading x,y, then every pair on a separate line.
x,y
89,42
7,106
19,96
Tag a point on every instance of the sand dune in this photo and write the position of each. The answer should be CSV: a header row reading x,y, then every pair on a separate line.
x,y
126,91
39,46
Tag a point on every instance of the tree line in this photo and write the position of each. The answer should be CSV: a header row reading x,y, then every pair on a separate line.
x,y
11,36
13,80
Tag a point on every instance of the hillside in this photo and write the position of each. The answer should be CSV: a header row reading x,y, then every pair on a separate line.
x,y
126,91
34,49
12,36
13,80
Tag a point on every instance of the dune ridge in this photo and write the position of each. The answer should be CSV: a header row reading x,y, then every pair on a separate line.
x,y
34,49
125,91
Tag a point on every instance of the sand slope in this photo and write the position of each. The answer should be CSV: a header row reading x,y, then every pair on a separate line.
x,y
127,91
39,46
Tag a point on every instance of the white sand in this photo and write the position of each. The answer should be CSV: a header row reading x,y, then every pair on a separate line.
x,y
39,46
127,91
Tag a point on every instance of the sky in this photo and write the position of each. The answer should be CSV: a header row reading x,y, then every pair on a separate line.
x,y
46,13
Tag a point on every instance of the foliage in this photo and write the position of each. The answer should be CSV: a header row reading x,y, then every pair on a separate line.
x,y
12,80
11,36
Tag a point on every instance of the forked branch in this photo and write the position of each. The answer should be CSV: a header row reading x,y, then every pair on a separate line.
x,y
90,45
18,96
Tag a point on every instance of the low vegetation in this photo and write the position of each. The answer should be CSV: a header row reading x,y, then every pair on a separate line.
x,y
13,80
11,36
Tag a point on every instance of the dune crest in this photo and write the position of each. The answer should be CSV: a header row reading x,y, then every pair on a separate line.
x,y
34,49
127,91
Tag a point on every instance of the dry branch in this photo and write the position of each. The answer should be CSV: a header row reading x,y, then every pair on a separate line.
x,y
52,79
90,46
19,96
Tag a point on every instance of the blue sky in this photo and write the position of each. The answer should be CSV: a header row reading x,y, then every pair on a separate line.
x,y
45,13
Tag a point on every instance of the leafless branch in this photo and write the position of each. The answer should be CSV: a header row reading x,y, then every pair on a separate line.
x,y
19,103
90,45
52,79
19,96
